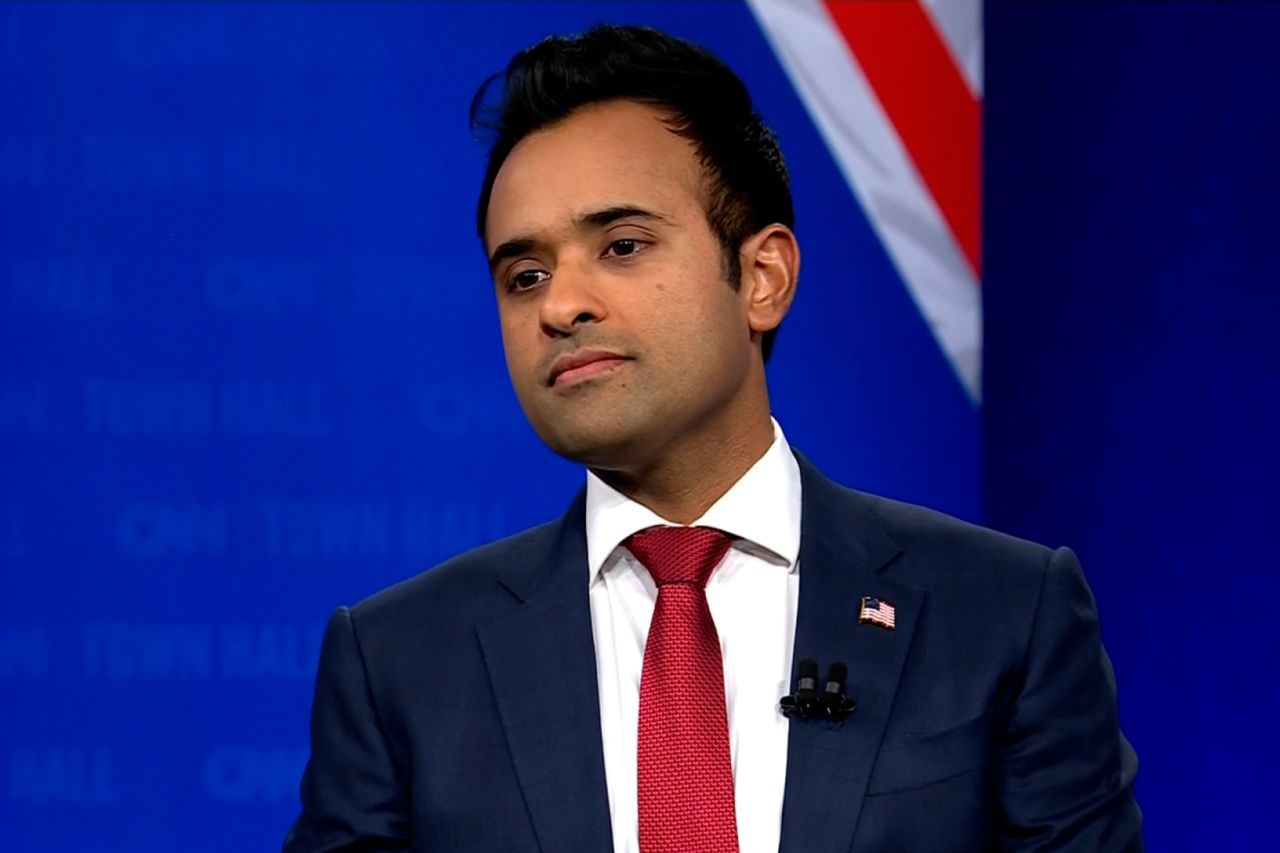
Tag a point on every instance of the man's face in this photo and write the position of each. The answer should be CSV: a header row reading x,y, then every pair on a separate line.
x,y
621,334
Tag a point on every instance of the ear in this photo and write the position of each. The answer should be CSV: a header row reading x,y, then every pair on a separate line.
x,y
770,269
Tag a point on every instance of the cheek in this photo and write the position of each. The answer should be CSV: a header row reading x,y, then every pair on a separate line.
x,y
516,345
710,314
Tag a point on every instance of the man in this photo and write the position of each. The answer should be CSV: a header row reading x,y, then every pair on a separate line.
x,y
611,680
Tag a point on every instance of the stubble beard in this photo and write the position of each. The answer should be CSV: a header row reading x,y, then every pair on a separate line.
x,y
595,429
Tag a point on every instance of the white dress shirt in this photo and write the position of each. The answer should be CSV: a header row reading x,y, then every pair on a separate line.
x,y
753,596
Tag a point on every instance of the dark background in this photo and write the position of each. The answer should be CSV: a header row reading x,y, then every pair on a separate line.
x,y
1132,375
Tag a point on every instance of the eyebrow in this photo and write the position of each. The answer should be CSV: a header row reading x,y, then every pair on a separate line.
x,y
590,219
609,215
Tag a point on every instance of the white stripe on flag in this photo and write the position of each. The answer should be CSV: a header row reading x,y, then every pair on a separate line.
x,y
959,22
879,170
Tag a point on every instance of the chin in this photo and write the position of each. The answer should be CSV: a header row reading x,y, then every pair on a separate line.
x,y
594,445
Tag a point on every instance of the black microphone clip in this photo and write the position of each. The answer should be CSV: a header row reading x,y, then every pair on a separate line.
x,y
808,704
836,705
804,702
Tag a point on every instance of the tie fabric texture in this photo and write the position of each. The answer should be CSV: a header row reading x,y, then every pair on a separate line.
x,y
685,782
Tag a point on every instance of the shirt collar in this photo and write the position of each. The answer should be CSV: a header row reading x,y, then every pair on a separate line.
x,y
762,508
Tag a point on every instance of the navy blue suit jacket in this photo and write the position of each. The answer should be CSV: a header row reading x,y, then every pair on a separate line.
x,y
458,711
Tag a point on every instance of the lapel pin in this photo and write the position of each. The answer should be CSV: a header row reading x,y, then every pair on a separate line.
x,y
876,611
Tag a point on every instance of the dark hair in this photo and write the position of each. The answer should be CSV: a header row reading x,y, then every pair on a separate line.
x,y
747,183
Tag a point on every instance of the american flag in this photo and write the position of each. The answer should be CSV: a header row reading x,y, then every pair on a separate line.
x,y
895,89
877,611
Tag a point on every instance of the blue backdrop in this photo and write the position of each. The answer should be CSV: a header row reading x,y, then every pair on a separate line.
x,y
251,371
1132,372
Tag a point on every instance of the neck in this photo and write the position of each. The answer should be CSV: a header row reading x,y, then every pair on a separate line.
x,y
683,484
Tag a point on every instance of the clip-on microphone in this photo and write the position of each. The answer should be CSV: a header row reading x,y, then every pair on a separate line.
x,y
835,705
805,700
808,704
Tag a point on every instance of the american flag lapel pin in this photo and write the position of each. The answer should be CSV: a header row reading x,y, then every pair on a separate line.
x,y
876,611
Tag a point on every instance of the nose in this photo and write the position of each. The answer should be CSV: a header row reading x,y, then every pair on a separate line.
x,y
571,297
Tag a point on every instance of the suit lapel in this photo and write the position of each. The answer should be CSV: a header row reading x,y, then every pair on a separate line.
x,y
843,548
541,662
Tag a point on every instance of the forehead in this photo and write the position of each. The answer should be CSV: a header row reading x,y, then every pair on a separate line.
x,y
600,155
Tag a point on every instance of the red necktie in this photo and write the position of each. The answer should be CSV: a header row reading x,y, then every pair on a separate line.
x,y
685,775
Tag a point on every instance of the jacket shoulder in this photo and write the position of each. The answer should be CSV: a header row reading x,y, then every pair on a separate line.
x,y
917,533
465,583
928,532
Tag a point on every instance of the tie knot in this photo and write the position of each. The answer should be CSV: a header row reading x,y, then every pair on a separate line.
x,y
679,554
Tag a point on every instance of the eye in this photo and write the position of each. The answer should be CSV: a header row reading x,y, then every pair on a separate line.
x,y
625,248
525,279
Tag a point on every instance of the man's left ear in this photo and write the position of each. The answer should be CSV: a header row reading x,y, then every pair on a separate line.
x,y
770,268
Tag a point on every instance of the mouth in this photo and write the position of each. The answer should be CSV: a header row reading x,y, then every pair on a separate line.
x,y
582,365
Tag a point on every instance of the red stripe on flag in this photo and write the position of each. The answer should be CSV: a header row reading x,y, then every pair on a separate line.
x,y
926,97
